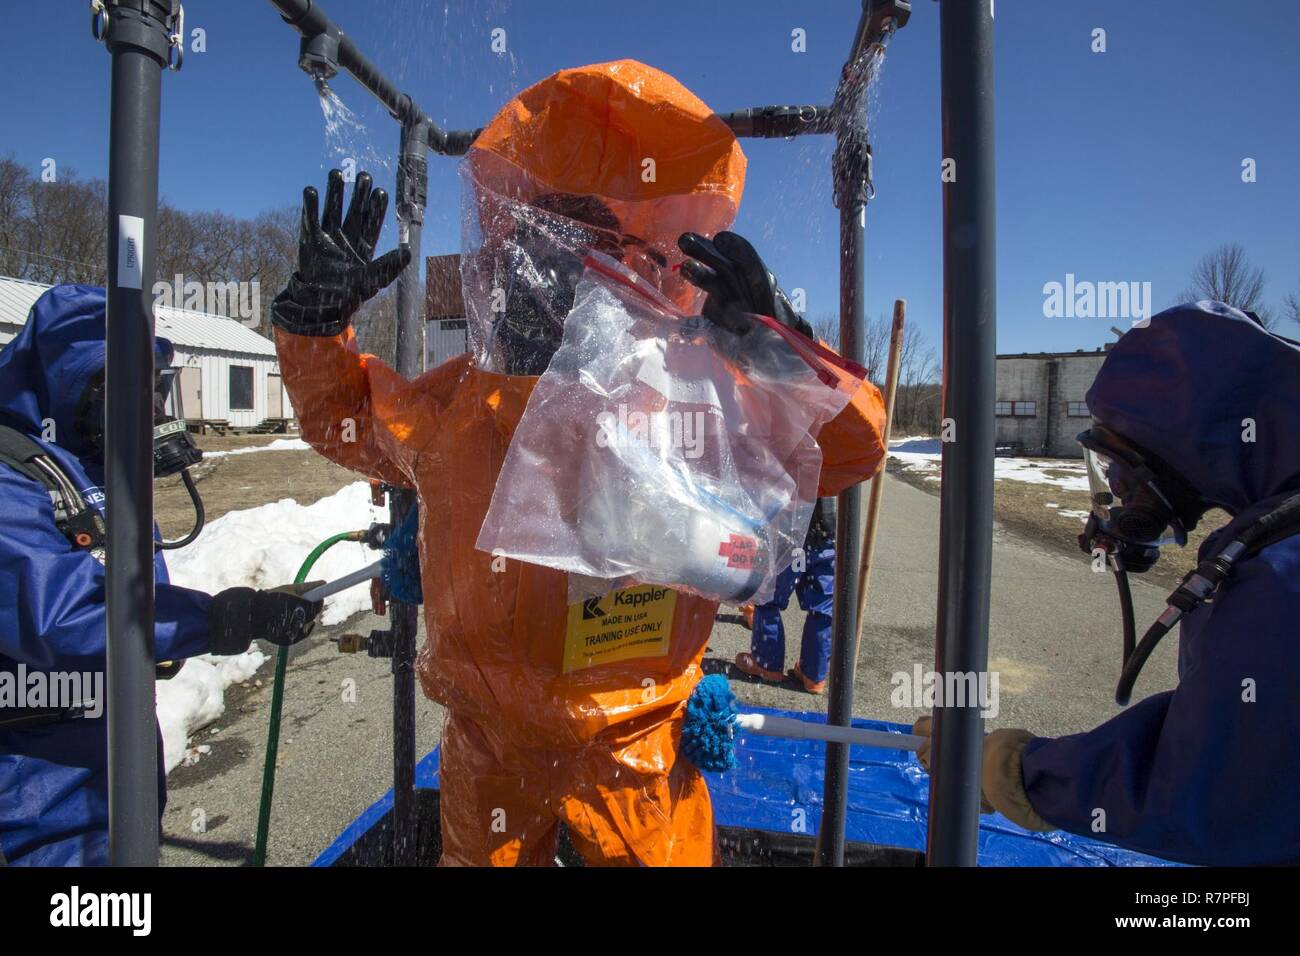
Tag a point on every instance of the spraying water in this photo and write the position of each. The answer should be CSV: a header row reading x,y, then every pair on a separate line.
x,y
346,137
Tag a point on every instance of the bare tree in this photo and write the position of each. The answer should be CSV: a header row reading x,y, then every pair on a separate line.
x,y
826,328
875,341
916,406
1227,276
56,232
1291,307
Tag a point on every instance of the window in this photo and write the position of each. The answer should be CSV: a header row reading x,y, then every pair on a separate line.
x,y
241,388
1077,409
1018,409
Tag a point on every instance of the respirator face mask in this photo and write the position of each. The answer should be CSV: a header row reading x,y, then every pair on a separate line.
x,y
174,451
173,448
1138,505
1132,509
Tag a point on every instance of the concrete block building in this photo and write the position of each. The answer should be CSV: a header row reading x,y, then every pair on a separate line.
x,y
1040,404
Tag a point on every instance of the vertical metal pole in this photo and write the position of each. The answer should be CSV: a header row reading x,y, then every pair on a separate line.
x,y
412,190
137,39
852,172
969,347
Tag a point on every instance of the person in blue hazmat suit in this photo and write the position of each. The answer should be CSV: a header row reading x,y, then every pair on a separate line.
x,y
812,580
54,752
1199,409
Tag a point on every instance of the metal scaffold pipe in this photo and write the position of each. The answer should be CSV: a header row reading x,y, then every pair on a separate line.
x,y
966,491
325,49
138,38
852,189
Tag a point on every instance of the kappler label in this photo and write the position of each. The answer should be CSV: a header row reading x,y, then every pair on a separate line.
x,y
622,625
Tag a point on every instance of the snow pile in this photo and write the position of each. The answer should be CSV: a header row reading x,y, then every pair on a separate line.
x,y
195,697
1031,471
923,455
280,444
259,548
917,454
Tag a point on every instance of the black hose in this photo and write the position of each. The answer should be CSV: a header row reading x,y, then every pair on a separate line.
x,y
198,516
1279,523
1133,664
1126,613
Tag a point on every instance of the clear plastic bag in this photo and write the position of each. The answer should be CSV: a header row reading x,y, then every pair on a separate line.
x,y
659,448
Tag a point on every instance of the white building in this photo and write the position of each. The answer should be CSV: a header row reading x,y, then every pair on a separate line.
x,y
229,373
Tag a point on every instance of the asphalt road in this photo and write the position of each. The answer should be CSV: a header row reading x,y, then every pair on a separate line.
x,y
1054,645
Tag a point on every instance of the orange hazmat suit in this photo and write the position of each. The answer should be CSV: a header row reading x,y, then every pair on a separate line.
x,y
541,728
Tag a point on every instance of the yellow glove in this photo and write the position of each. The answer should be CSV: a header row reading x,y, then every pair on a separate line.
x,y
1002,786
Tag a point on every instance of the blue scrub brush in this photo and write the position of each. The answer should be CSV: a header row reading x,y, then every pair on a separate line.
x,y
712,718
401,561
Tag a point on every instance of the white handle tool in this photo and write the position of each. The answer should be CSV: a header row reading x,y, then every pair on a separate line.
x,y
802,730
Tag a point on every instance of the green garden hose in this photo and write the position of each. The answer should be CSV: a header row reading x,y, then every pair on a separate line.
x,y
277,701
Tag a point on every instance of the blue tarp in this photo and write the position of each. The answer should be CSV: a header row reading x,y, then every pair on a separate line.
x,y
777,786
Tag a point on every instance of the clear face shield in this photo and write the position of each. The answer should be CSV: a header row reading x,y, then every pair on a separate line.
x,y
522,264
542,262
1131,518
173,448
1110,483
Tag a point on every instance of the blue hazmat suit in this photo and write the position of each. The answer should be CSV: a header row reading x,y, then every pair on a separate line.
x,y
54,777
1208,773
815,588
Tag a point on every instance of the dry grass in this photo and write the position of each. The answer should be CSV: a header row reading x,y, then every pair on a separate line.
x,y
235,482
1023,507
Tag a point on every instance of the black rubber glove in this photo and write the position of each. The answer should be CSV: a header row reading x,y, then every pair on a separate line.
x,y
239,616
737,282
335,272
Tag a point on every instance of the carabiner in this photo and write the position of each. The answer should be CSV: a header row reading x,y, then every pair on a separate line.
x,y
98,20
176,42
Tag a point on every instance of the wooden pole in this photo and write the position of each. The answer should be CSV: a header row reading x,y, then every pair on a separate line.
x,y
878,482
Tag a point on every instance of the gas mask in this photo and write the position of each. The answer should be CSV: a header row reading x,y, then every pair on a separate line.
x,y
174,450
539,268
1139,504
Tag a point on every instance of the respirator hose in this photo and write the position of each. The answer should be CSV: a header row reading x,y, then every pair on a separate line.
x,y
198,516
1133,663
1126,613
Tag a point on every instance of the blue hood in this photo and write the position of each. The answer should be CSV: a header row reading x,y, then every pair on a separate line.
x,y
1181,388
45,369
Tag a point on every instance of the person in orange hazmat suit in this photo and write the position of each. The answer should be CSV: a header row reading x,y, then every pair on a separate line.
x,y
617,157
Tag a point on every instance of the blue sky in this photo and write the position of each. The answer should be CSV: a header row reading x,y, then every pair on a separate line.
x,y
1115,166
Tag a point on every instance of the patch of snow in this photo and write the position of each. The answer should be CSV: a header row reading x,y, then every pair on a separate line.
x,y
1081,515
259,547
280,444
923,455
195,697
